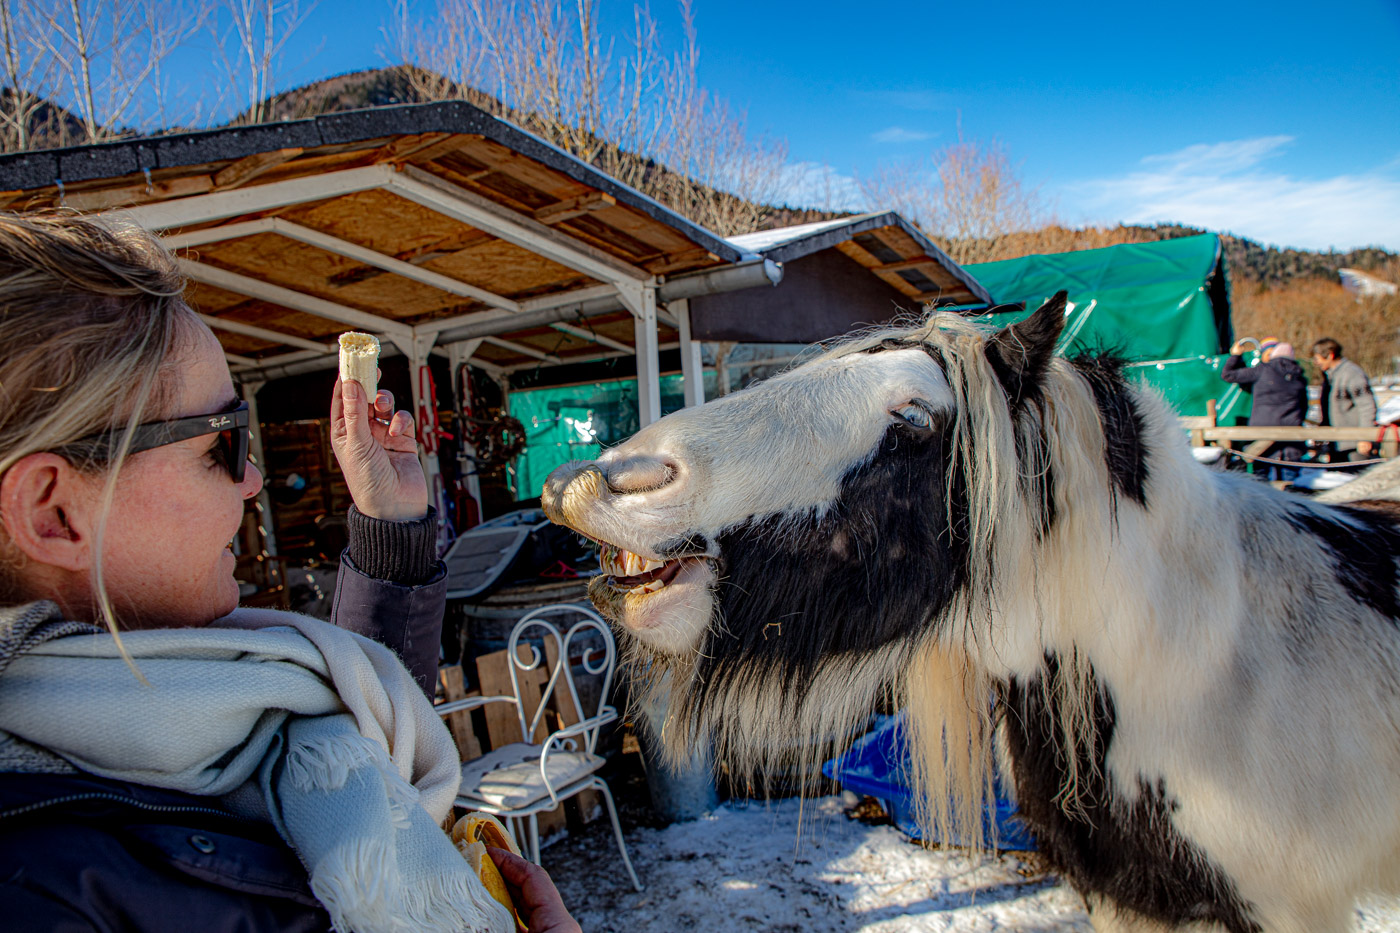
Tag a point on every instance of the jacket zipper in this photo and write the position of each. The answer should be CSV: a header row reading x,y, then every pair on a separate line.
x,y
118,798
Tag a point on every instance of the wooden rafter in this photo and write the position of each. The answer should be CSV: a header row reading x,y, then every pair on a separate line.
x,y
574,207
247,168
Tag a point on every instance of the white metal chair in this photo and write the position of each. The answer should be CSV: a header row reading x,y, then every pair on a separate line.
x,y
522,779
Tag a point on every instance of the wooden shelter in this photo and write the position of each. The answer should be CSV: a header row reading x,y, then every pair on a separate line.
x,y
436,226
837,275
423,223
449,232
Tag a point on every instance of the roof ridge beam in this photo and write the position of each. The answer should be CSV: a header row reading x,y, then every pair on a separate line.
x,y
523,350
217,234
453,201
590,336
334,244
297,301
262,333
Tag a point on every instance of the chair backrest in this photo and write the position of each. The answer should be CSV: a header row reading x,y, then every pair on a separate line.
x,y
562,629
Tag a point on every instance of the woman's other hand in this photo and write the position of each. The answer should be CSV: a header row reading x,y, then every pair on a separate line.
x,y
1237,348
379,455
536,898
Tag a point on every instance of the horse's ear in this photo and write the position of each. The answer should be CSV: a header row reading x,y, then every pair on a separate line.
x,y
1020,353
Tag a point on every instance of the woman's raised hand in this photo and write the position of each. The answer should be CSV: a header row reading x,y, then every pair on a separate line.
x,y
378,455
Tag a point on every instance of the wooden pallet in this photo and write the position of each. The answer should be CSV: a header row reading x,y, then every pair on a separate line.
x,y
496,724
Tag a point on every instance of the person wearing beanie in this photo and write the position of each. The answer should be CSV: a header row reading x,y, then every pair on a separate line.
x,y
1280,392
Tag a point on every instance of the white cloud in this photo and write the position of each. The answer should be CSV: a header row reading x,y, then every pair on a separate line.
x,y
898,134
1222,186
1219,157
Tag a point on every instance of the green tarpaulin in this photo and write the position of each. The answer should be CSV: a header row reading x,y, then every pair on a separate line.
x,y
1163,306
576,422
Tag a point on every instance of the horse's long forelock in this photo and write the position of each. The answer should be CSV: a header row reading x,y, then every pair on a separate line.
x,y
948,692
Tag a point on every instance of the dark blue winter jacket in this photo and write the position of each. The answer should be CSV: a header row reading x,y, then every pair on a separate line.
x,y
1279,387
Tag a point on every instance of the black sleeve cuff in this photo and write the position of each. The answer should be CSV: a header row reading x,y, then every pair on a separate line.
x,y
400,552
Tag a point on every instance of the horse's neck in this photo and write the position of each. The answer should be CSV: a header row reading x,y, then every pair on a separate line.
x,y
1126,585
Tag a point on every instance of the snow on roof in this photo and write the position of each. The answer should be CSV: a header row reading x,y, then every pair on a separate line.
x,y
767,239
1363,285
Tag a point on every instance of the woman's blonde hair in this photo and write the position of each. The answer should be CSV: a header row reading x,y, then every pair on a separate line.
x,y
89,312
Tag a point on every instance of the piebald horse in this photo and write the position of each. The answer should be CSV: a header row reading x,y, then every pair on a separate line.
x,y
1190,680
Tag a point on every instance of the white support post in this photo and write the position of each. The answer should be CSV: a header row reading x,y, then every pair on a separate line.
x,y
722,351
457,355
692,369
262,504
641,301
417,348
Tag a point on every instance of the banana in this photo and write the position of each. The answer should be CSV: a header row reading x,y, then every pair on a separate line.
x,y
471,835
359,362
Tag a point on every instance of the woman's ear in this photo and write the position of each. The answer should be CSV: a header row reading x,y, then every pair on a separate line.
x,y
46,508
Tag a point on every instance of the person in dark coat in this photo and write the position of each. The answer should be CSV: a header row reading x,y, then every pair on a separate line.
x,y
1280,391
107,530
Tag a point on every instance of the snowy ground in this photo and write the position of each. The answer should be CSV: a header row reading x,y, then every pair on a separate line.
x,y
794,866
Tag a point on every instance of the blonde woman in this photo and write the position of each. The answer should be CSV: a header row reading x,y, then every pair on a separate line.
x,y
167,762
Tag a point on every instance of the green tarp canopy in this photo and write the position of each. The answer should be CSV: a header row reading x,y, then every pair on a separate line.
x,y
1163,306
577,422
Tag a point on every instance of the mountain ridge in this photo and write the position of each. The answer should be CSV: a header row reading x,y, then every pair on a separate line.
x,y
1263,265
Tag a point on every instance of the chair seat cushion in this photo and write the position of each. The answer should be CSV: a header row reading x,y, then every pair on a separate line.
x,y
510,776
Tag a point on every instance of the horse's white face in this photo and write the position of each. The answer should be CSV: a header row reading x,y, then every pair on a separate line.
x,y
748,512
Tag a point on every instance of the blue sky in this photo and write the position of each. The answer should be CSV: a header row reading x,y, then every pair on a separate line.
x,y
1276,121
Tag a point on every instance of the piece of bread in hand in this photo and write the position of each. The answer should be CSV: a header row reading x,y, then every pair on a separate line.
x,y
471,835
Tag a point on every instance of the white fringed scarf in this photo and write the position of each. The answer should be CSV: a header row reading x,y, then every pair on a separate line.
x,y
319,730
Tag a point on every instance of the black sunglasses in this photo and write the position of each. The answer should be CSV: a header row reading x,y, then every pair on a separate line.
x,y
230,425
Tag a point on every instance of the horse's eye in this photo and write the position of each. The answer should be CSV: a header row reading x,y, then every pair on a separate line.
x,y
916,414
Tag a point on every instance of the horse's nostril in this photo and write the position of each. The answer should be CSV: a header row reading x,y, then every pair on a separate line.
x,y
639,474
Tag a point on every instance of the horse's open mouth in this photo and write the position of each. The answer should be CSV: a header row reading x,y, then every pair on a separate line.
x,y
637,575
665,603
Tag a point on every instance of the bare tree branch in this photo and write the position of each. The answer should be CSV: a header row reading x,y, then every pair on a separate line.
x,y
250,37
99,59
27,73
640,116
968,197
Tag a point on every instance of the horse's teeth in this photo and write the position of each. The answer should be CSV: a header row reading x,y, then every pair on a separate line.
x,y
620,563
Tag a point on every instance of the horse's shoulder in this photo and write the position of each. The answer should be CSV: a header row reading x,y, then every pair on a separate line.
x,y
1388,508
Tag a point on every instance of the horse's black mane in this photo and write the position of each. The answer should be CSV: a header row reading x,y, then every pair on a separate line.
x,y
1124,449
